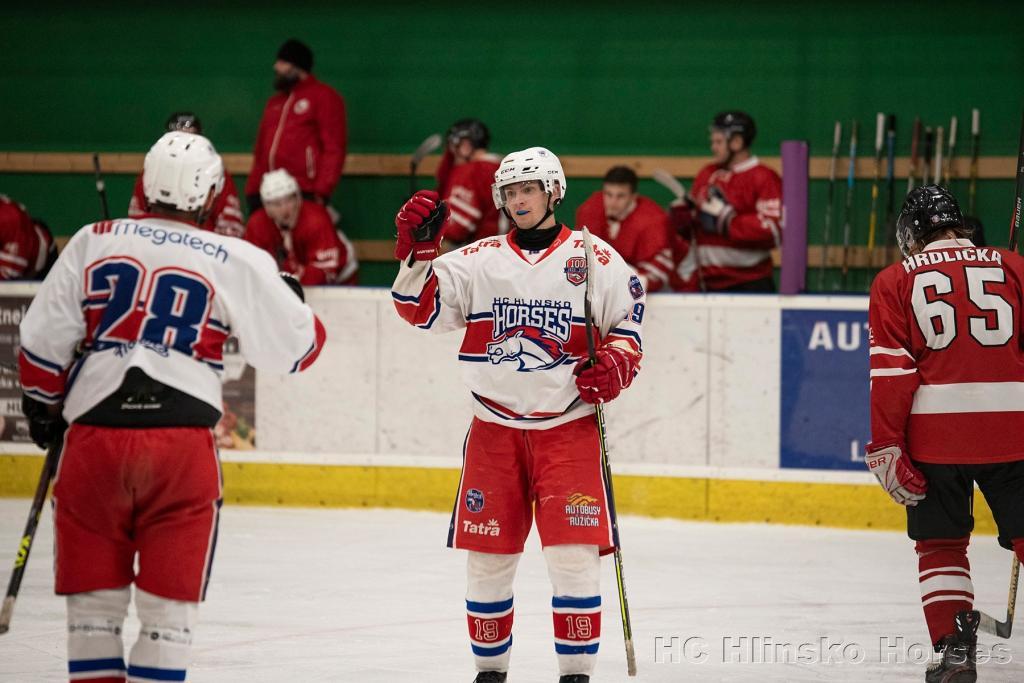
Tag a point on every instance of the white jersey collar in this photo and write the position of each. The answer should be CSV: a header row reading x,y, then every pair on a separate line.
x,y
745,165
949,244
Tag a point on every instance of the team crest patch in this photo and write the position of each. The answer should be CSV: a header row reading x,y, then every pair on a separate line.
x,y
301,107
576,270
474,500
636,288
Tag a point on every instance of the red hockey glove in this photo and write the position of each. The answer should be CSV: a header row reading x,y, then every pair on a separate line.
x,y
897,474
715,213
612,373
419,224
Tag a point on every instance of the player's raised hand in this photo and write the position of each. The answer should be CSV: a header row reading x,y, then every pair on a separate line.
x,y
897,474
605,380
419,224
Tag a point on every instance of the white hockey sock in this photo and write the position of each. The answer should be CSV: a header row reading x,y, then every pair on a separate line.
x,y
95,647
489,608
165,639
575,572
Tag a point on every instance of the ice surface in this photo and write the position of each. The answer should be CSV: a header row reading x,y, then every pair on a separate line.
x,y
372,596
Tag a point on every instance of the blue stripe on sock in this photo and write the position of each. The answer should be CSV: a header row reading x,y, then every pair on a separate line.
x,y
576,649
489,607
82,665
578,603
155,674
491,651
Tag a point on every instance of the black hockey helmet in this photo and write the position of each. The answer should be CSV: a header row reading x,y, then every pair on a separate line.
x,y
473,130
736,123
185,121
926,210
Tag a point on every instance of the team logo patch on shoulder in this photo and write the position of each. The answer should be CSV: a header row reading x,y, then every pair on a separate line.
x,y
474,500
636,288
576,270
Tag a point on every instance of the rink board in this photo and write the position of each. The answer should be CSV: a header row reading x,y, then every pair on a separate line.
x,y
747,408
721,497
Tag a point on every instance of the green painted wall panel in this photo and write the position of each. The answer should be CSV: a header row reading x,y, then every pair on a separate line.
x,y
581,78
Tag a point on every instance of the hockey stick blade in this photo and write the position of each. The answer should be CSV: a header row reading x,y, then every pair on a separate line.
x,y
669,182
425,148
1003,629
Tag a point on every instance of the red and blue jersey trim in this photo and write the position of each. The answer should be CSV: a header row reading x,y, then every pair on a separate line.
x,y
314,351
421,310
512,416
41,379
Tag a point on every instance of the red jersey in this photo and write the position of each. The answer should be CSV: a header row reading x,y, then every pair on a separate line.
x,y
303,132
466,188
225,215
26,246
744,253
947,365
641,238
313,250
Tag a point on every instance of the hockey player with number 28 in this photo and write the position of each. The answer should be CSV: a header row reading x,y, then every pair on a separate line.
x,y
532,449
124,340
947,406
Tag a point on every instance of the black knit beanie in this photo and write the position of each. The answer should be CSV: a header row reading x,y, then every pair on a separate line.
x,y
298,53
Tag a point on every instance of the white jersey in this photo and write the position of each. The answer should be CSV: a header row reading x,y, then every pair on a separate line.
x,y
163,296
523,319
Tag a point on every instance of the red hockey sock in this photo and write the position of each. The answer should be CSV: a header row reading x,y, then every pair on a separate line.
x,y
946,588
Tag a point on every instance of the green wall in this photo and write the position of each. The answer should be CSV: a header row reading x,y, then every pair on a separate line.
x,y
580,78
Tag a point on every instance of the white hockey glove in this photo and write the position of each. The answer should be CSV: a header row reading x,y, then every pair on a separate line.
x,y
897,474
715,213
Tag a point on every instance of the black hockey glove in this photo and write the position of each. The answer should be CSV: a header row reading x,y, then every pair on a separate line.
x,y
294,285
45,428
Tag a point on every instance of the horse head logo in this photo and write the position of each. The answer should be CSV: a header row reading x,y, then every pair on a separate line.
x,y
530,346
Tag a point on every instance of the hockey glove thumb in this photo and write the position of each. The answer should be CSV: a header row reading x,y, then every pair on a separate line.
x,y
420,222
45,423
715,213
604,380
897,474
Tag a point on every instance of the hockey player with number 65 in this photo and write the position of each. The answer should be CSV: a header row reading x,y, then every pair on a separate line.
x,y
947,406
532,451
124,341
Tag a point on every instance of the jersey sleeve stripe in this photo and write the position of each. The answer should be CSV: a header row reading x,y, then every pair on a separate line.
x,y
318,344
892,372
629,335
42,363
421,310
465,207
875,350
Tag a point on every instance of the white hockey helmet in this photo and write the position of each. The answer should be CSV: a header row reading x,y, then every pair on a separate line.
x,y
535,163
181,170
277,185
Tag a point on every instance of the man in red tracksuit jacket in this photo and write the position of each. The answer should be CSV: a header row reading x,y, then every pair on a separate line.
x,y
634,225
303,129
733,217
299,234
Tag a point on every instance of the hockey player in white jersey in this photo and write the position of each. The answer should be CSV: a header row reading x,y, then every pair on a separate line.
x,y
124,342
532,450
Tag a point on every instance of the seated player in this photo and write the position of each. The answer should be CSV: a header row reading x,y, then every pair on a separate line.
x,y
300,235
464,179
634,225
27,248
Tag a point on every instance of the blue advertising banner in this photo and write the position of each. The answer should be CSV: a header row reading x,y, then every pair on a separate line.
x,y
824,389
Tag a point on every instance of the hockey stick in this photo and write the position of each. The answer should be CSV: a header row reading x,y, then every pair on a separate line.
x,y
940,135
929,151
837,136
950,173
873,216
25,545
588,295
848,224
678,190
1015,219
915,145
425,148
101,187
972,185
890,184
1003,628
